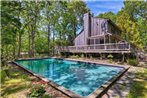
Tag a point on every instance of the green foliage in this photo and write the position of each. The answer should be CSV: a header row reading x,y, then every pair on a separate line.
x,y
38,26
135,9
74,56
133,62
110,57
129,29
37,91
108,15
139,85
2,75
10,24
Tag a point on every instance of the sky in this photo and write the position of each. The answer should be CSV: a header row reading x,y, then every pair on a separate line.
x,y
102,6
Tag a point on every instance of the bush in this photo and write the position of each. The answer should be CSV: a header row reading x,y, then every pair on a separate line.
x,y
2,75
110,56
133,62
82,55
37,90
75,56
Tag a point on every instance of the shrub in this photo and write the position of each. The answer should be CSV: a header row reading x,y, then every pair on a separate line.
x,y
82,55
2,75
133,62
91,57
110,56
75,56
37,90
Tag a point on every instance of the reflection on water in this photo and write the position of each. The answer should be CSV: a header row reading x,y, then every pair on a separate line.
x,y
81,78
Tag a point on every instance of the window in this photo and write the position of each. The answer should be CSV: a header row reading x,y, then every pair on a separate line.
x,y
104,26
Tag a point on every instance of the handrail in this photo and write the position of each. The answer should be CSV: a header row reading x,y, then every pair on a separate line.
x,y
108,46
99,44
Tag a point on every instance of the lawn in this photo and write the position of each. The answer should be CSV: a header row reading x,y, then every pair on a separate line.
x,y
20,84
16,86
139,85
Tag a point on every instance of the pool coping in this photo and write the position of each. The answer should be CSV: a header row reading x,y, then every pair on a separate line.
x,y
99,92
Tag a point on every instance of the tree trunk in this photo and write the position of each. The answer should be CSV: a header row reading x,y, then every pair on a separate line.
x,y
53,42
14,51
19,44
48,37
32,44
29,42
19,34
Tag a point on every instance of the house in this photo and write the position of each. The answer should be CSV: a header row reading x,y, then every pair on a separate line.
x,y
98,36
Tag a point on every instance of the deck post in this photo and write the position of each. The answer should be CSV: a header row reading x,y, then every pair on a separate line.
x,y
94,44
100,56
129,46
104,43
123,57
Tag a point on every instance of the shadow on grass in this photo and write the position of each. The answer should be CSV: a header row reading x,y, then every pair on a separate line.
x,y
13,89
139,85
138,90
16,83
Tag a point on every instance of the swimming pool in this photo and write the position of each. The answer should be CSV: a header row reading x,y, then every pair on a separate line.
x,y
79,77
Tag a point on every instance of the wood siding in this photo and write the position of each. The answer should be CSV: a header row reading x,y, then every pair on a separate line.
x,y
96,27
81,39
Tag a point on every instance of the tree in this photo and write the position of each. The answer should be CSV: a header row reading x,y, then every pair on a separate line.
x,y
135,9
129,29
137,12
10,26
108,15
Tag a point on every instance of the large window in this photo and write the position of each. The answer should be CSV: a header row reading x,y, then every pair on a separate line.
x,y
104,26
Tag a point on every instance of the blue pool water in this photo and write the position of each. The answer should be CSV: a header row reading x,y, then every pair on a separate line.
x,y
79,77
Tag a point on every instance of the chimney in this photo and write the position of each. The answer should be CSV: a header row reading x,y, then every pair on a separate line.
x,y
87,26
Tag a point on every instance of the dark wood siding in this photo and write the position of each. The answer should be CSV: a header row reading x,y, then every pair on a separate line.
x,y
112,29
96,26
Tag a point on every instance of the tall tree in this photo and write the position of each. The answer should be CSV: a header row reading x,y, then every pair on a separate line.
x,y
137,12
129,29
10,26
108,15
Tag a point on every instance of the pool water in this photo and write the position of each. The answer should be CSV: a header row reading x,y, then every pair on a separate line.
x,y
79,77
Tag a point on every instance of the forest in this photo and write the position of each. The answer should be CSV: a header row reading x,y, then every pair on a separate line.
x,y
37,27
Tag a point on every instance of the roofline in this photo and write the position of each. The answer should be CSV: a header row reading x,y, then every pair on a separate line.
x,y
114,24
80,32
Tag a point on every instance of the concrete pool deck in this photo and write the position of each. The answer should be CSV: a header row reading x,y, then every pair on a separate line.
x,y
97,93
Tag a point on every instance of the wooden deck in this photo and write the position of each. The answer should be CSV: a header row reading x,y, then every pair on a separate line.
x,y
97,48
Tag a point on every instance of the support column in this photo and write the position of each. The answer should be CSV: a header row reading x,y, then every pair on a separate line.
x,y
109,39
94,43
123,57
104,39
104,43
100,56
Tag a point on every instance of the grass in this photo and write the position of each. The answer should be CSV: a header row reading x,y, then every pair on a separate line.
x,y
139,85
16,86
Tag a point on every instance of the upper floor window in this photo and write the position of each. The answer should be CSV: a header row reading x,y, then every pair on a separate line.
x,y
104,26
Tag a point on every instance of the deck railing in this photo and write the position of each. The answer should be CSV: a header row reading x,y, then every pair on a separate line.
x,y
104,47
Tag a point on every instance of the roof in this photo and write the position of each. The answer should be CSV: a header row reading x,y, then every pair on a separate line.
x,y
113,24
79,33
